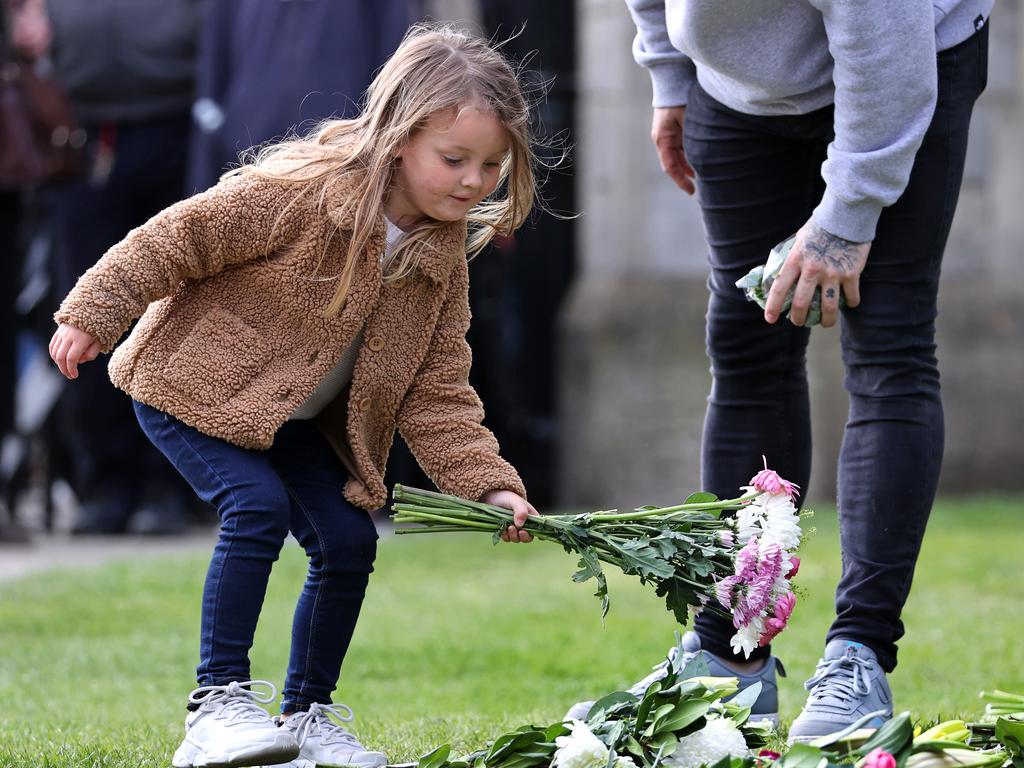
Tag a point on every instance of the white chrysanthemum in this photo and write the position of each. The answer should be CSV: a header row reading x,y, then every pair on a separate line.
x,y
719,738
747,638
749,517
780,523
582,749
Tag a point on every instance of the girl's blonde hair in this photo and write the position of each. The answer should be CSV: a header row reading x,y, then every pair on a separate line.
x,y
436,68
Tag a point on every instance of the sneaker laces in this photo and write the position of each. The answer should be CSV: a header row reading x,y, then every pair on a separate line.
x,y
317,719
236,702
845,678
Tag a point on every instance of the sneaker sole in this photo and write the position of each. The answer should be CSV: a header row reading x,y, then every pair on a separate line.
x,y
190,755
378,763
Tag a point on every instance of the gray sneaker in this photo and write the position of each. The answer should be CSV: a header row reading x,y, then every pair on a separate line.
x,y
847,685
765,708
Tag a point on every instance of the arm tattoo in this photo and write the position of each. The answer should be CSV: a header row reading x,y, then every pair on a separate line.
x,y
831,250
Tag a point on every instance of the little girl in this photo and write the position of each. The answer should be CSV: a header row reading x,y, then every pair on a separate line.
x,y
292,317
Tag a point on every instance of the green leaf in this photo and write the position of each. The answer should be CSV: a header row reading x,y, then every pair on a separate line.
x,y
686,689
510,743
646,704
738,715
803,756
683,714
436,758
610,703
638,555
656,719
589,565
556,730
1010,732
665,743
698,667
678,597
633,746
747,696
892,737
701,497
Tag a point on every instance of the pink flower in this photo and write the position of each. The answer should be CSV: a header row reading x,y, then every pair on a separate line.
x,y
766,756
759,592
773,625
747,593
768,481
723,591
794,569
878,758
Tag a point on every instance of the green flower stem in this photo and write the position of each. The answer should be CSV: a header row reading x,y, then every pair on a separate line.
x,y
700,506
423,514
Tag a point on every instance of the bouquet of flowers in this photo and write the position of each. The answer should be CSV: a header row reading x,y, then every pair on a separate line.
x,y
688,720
740,563
758,282
681,721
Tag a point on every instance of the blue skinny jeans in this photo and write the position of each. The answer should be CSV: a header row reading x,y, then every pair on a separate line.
x,y
261,496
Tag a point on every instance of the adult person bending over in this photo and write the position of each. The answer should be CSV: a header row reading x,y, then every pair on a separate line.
x,y
845,123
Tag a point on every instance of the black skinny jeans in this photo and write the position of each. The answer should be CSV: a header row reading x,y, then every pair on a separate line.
x,y
759,178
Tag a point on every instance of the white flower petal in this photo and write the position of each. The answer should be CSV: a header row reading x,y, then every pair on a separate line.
x,y
719,738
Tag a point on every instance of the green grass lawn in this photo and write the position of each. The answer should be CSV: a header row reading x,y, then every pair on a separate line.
x,y
459,639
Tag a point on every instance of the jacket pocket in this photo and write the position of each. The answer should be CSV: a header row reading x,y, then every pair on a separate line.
x,y
218,357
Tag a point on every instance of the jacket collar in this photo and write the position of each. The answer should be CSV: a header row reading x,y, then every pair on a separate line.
x,y
437,257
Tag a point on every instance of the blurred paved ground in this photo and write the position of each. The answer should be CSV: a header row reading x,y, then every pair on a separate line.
x,y
47,552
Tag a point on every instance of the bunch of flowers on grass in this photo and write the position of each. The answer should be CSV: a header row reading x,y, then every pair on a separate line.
x,y
733,556
681,721
684,721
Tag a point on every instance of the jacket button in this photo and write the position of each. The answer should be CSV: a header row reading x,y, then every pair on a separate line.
x,y
364,404
376,343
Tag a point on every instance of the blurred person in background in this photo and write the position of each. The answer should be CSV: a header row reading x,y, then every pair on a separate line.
x,y
129,71
266,68
24,38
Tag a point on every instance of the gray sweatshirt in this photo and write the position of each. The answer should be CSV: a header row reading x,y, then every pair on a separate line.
x,y
873,59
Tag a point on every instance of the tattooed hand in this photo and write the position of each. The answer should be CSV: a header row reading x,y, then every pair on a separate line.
x,y
818,259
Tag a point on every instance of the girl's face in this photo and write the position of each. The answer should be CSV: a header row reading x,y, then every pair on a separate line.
x,y
448,166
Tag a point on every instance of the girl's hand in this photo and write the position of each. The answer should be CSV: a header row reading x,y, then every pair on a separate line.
x,y
521,509
71,346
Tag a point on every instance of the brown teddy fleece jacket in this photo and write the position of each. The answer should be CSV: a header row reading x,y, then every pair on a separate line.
x,y
234,338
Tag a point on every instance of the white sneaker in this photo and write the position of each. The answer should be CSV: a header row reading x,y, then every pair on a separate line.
x,y
324,743
230,728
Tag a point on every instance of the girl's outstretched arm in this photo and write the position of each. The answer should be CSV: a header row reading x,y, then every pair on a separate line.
x,y
441,415
236,221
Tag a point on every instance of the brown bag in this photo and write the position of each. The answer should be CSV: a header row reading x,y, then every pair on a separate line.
x,y
39,139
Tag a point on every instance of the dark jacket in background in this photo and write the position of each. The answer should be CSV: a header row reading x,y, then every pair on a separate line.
x,y
267,66
125,61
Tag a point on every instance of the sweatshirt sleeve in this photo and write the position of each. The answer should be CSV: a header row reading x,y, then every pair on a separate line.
x,y
885,93
672,72
441,416
236,221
